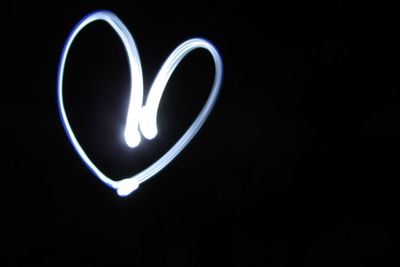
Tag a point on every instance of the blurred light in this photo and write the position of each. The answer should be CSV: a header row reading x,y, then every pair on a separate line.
x,y
139,116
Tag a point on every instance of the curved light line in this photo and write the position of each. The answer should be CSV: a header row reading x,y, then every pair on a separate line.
x,y
145,116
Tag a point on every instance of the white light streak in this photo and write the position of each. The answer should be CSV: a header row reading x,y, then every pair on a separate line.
x,y
139,116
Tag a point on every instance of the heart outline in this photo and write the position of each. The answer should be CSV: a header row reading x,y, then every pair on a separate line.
x,y
139,115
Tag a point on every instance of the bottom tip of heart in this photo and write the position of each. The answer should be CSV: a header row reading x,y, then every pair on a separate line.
x,y
126,187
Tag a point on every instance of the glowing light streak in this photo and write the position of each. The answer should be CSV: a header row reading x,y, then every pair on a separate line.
x,y
139,116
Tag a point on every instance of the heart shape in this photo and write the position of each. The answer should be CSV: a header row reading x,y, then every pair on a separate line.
x,y
143,117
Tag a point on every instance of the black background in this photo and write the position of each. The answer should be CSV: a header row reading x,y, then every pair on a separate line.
x,y
296,166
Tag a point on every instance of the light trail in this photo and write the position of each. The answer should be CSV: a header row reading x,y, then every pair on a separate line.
x,y
139,116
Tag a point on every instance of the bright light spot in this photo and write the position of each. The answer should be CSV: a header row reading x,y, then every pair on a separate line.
x,y
132,138
139,115
127,186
